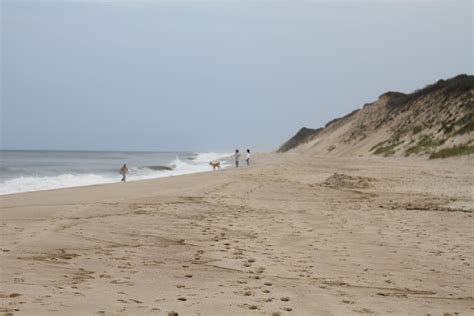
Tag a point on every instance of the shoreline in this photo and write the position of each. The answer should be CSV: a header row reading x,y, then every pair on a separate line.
x,y
69,170
231,167
292,234
109,183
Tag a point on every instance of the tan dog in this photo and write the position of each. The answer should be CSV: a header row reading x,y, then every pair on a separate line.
x,y
215,165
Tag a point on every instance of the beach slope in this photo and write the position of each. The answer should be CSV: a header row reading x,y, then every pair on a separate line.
x,y
292,234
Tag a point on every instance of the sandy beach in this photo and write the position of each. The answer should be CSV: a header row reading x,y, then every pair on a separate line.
x,y
291,235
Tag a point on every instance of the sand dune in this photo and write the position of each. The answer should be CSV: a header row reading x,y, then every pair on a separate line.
x,y
291,235
435,121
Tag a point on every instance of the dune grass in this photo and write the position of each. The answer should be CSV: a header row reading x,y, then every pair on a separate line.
x,y
424,145
387,150
454,151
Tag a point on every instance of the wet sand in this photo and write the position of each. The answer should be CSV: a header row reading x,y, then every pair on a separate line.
x,y
291,235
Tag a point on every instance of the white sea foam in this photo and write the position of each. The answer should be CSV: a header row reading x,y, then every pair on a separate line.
x,y
27,184
208,157
38,183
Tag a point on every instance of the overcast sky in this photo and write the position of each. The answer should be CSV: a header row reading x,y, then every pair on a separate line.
x,y
212,75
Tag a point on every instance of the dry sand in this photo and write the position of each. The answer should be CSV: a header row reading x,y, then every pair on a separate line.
x,y
285,236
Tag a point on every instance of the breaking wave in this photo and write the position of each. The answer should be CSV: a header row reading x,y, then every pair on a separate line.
x,y
176,167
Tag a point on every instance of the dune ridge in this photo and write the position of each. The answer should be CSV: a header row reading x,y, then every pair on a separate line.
x,y
436,121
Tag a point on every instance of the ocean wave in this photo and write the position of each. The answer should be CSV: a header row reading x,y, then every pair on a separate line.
x,y
28,184
176,167
208,157
157,168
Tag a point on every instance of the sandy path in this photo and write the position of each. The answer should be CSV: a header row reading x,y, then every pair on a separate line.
x,y
270,239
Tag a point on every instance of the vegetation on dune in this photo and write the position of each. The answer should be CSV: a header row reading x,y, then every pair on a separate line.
x,y
428,141
442,90
379,144
457,85
447,127
303,135
453,151
467,122
419,121
469,127
388,150
424,145
417,129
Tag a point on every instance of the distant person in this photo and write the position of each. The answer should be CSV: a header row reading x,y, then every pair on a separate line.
x,y
248,157
123,172
237,157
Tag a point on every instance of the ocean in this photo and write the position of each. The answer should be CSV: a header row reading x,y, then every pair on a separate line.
x,y
26,171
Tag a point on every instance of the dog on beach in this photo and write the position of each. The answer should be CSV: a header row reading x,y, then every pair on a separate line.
x,y
215,165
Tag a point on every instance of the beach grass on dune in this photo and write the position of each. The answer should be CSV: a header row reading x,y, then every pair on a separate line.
x,y
453,151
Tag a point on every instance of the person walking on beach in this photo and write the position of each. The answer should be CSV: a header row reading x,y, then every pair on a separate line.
x,y
123,172
237,157
248,157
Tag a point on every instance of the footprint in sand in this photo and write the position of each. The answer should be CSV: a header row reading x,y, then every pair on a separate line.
x,y
252,307
9,295
363,311
136,301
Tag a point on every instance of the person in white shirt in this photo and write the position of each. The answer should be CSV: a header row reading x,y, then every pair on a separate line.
x,y
248,157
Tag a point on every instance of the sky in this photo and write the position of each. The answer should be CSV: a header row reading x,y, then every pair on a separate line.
x,y
212,75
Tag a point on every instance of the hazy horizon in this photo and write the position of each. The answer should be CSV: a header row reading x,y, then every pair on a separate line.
x,y
211,76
